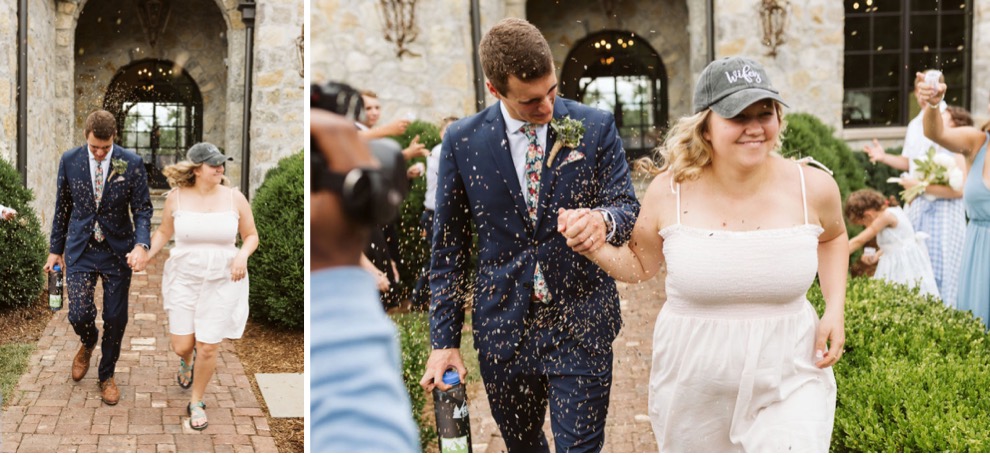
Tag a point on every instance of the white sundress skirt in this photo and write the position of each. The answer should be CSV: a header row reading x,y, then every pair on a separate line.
x,y
196,284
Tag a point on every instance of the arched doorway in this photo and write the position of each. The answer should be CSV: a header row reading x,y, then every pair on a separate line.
x,y
159,112
619,72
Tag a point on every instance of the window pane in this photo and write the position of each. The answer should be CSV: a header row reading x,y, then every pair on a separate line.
x,y
921,61
886,6
856,107
857,71
924,32
857,34
924,5
886,71
953,31
886,33
954,70
886,107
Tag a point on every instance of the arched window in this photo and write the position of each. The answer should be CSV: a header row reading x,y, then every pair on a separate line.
x,y
159,113
887,41
620,73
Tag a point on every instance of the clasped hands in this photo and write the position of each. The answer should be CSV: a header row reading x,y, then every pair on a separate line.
x,y
584,229
137,259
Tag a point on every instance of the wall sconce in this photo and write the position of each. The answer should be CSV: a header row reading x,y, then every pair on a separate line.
x,y
399,24
773,15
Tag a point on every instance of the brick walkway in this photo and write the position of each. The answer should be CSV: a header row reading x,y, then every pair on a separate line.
x,y
627,427
50,412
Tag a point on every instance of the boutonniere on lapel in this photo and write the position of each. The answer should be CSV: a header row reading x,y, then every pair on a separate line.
x,y
569,133
119,167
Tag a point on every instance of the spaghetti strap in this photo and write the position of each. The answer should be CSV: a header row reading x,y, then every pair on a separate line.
x,y
804,193
178,200
678,193
232,200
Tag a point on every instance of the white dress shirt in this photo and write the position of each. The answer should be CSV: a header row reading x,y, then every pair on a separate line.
x,y
519,146
105,164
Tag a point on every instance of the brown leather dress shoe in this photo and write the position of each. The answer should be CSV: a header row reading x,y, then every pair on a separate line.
x,y
80,365
111,395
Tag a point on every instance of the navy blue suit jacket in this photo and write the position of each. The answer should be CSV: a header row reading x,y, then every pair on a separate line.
x,y
76,213
478,184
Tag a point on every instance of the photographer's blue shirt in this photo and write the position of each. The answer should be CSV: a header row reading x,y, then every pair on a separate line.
x,y
358,400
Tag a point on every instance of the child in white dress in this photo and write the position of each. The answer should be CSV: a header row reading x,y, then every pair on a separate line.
x,y
903,257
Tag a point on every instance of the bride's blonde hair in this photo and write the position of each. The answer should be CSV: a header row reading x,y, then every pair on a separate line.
x,y
685,151
181,174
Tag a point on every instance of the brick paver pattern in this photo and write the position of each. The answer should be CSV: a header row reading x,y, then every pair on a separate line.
x,y
49,412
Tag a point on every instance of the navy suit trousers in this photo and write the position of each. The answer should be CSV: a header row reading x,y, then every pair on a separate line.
x,y
99,261
549,368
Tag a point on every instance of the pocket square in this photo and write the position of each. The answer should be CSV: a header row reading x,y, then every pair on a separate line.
x,y
119,179
572,157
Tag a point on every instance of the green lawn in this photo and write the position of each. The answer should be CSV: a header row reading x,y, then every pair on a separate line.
x,y
13,363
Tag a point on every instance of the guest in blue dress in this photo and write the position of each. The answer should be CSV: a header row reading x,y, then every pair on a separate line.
x,y
974,275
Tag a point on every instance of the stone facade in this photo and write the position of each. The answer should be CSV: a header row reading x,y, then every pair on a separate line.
x,y
348,45
662,24
75,47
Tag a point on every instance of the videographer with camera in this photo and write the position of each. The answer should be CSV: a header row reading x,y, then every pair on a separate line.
x,y
358,401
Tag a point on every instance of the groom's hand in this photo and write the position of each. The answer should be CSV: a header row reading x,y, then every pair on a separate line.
x,y
440,361
137,259
583,228
54,259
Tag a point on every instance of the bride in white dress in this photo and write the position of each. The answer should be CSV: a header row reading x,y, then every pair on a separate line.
x,y
741,361
205,279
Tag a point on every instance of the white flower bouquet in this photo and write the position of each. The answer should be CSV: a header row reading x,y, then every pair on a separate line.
x,y
932,169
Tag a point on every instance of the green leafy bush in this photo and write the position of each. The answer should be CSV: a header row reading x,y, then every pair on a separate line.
x,y
414,339
808,136
277,267
413,248
23,245
914,375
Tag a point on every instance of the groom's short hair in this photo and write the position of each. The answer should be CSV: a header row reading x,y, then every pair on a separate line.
x,y
514,47
102,124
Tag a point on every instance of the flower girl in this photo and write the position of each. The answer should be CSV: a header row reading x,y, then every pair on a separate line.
x,y
903,257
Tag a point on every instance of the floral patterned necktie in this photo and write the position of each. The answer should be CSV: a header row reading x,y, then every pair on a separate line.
x,y
98,187
534,163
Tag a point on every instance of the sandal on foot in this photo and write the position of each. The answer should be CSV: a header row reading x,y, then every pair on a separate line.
x,y
197,413
186,373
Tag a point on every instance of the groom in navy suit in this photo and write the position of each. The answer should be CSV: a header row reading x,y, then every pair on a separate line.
x,y
544,317
101,187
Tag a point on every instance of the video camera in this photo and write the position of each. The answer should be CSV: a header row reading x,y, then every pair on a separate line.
x,y
369,195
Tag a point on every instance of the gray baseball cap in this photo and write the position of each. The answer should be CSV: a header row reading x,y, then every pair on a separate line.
x,y
205,152
729,85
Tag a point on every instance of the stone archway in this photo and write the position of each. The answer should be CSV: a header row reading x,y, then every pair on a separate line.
x,y
619,72
94,40
159,111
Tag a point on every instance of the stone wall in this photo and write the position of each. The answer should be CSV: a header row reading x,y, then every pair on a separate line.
x,y
279,92
808,67
348,45
8,82
981,60
664,24
43,117
109,37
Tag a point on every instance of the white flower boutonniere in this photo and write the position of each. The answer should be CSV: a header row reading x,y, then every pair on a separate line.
x,y
569,133
119,166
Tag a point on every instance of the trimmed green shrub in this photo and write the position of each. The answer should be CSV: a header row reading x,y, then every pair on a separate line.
x,y
277,267
23,245
914,375
414,339
808,136
413,248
